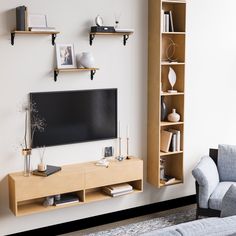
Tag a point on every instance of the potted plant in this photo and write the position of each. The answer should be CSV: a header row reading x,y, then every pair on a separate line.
x,y
37,124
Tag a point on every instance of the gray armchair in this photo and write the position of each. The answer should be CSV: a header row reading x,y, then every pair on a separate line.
x,y
214,175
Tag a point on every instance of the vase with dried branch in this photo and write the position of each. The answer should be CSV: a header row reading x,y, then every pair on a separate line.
x,y
36,124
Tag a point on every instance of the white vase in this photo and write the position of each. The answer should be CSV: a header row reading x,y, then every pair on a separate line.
x,y
173,117
86,60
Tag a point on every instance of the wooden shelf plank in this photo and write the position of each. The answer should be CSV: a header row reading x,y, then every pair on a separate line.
x,y
170,153
36,207
171,94
35,32
109,33
166,63
177,181
170,33
75,69
167,123
174,1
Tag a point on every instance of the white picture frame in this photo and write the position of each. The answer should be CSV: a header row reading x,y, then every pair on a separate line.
x,y
65,56
37,20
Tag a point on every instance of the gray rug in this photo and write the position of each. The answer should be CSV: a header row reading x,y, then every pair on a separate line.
x,y
151,222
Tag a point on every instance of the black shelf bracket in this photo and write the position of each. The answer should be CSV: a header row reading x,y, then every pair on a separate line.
x,y
125,38
56,73
91,38
92,73
53,39
12,38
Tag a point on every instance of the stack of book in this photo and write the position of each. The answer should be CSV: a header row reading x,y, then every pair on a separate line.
x,y
170,140
168,179
118,189
66,198
49,171
167,21
42,29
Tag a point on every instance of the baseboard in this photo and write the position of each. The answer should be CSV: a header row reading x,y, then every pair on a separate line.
x,y
111,217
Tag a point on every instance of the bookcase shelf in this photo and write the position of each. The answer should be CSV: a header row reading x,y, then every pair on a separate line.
x,y
15,32
166,50
27,194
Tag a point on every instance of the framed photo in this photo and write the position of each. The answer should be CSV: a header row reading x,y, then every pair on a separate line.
x,y
65,56
37,20
108,151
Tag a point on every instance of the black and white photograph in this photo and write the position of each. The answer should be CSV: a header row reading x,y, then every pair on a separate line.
x,y
65,56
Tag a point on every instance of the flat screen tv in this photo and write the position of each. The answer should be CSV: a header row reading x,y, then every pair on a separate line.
x,y
75,116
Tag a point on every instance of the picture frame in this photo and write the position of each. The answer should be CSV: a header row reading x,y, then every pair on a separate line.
x,y
37,21
108,151
65,56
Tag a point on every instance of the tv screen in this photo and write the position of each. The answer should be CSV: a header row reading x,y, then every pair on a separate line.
x,y
74,116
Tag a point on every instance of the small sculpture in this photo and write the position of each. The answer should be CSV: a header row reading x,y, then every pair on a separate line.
x,y
172,80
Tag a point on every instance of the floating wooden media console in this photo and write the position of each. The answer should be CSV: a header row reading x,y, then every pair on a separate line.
x,y
86,180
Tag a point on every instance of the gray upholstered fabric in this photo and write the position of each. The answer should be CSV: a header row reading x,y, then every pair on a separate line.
x,y
229,202
213,226
227,162
207,176
216,197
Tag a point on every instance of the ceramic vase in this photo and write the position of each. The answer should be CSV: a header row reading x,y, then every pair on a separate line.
x,y
163,109
174,116
86,60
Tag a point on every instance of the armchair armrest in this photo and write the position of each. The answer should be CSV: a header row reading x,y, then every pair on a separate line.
x,y
207,176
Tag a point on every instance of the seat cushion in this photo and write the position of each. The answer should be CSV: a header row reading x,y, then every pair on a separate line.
x,y
227,162
215,201
229,202
207,176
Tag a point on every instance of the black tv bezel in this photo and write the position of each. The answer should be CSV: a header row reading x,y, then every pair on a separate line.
x,y
72,91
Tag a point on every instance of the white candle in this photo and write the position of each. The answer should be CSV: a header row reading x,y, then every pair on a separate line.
x,y
119,130
127,131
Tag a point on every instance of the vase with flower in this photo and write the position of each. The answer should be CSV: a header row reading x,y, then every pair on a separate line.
x,y
36,123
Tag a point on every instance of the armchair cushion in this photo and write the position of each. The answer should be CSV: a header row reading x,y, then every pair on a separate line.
x,y
227,162
229,202
206,174
215,201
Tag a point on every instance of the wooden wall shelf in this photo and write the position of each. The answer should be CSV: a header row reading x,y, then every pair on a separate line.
x,y
124,34
26,194
14,32
92,71
168,163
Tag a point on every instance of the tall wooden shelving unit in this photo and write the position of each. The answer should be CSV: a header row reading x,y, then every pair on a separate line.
x,y
158,67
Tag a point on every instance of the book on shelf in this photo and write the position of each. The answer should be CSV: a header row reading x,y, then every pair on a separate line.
x,y
165,140
167,24
66,198
118,189
168,179
49,171
173,143
171,23
176,145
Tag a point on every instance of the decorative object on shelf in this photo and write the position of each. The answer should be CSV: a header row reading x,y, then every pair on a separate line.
x,y
172,80
37,20
117,19
21,16
37,123
102,162
174,116
170,51
41,165
127,141
119,157
86,60
163,109
65,56
162,168
48,171
99,20
49,201
108,151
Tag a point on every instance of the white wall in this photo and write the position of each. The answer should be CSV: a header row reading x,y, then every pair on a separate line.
x,y
27,67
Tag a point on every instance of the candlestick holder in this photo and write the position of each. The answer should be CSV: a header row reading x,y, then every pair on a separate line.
x,y
127,151
119,157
